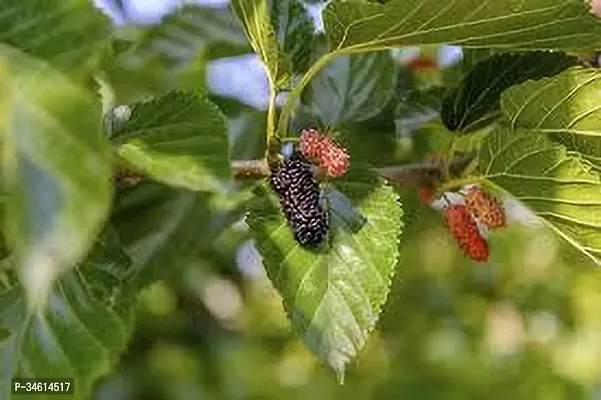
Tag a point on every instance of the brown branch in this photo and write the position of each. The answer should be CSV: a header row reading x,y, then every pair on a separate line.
x,y
250,169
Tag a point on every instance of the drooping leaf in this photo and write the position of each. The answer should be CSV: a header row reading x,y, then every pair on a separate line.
x,y
477,100
505,24
179,139
559,188
294,30
333,295
566,107
256,18
82,332
56,169
353,88
66,33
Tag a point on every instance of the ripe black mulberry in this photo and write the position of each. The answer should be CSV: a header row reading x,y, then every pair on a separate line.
x,y
299,197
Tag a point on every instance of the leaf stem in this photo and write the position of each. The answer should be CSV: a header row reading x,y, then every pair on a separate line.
x,y
295,93
273,142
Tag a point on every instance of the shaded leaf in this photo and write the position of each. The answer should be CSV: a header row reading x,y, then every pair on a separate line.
x,y
506,24
179,139
255,16
566,107
353,88
477,100
559,188
82,332
56,169
333,295
67,33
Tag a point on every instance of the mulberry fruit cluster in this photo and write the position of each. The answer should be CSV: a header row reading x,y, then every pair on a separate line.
x,y
330,157
462,219
299,196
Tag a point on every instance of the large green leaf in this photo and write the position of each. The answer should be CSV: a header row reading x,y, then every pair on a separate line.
x,y
256,18
82,332
64,32
558,187
179,139
334,295
477,99
524,25
353,88
566,107
56,169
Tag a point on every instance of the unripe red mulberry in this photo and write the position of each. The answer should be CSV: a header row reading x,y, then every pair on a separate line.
x,y
426,194
463,226
334,159
299,198
330,157
485,207
311,143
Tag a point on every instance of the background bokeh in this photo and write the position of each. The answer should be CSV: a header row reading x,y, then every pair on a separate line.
x,y
527,325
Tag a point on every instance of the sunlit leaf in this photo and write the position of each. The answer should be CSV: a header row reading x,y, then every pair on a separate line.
x,y
559,188
333,295
566,107
56,169
503,24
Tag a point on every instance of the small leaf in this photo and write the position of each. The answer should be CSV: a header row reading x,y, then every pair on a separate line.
x,y
353,88
82,332
566,107
56,169
476,101
506,24
179,139
255,17
66,33
559,188
333,296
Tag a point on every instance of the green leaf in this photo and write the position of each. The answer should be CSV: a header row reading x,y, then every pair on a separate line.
x,y
477,100
559,188
294,30
505,24
333,296
566,107
255,16
179,139
162,228
67,33
56,169
82,332
353,88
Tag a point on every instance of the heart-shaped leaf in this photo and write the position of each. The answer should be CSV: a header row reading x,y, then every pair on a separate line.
x,y
56,169
566,107
179,139
333,296
559,188
82,332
